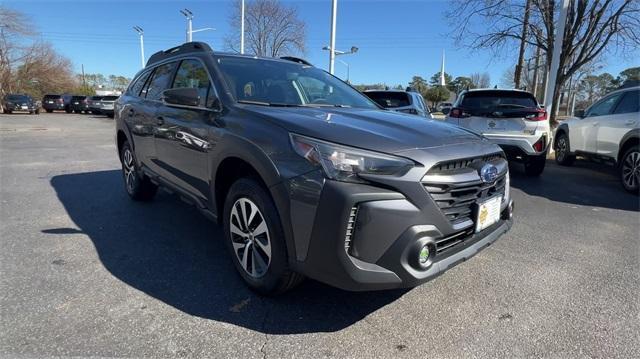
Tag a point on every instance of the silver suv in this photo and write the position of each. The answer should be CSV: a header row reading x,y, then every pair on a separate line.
x,y
510,118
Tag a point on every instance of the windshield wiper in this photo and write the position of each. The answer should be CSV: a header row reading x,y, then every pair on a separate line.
x,y
272,104
326,105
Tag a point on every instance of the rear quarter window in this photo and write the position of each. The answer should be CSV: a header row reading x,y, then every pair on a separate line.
x,y
390,99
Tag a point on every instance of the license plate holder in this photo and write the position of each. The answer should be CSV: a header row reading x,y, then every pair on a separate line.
x,y
488,213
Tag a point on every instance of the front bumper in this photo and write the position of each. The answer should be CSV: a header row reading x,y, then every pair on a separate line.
x,y
389,231
19,107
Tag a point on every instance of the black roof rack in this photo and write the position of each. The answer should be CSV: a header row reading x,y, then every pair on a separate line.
x,y
296,59
187,47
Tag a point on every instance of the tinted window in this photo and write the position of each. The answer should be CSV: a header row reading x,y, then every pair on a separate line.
x,y
51,97
629,103
160,81
192,74
78,98
17,98
136,87
487,102
286,82
604,107
389,99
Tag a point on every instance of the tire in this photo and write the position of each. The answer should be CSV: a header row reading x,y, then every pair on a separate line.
x,y
76,111
630,170
68,110
31,112
37,112
49,111
137,185
534,165
260,244
563,150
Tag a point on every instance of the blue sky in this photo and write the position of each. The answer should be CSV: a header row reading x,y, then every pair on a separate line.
x,y
397,39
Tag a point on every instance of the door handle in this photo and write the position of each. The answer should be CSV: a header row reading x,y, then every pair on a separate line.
x,y
160,120
630,122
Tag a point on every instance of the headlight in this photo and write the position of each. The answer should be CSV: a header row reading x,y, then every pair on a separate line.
x,y
344,163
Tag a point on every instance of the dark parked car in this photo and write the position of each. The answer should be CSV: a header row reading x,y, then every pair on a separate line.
x,y
57,103
308,176
19,102
94,104
79,104
401,101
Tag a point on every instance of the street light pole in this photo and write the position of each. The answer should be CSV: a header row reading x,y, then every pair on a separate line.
x,y
332,43
140,32
189,15
242,27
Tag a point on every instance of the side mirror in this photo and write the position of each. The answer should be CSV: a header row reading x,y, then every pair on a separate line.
x,y
183,96
579,113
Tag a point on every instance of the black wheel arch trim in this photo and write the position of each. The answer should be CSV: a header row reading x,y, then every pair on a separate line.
x,y
633,134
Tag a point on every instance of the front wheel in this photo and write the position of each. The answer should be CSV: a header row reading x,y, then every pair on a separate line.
x,y
138,186
630,170
563,151
254,236
534,165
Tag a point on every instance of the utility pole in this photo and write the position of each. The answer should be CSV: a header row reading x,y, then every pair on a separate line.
x,y
535,72
140,32
525,24
84,83
189,15
332,43
242,27
555,59
442,78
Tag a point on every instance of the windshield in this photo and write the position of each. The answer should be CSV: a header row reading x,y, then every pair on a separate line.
x,y
283,83
17,98
486,102
388,99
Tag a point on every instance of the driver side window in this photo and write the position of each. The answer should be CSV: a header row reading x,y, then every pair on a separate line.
x,y
603,107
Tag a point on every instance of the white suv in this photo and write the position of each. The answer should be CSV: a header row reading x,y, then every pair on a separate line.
x,y
608,131
510,118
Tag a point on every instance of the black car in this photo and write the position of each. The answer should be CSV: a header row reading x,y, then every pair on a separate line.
x,y
307,176
94,104
19,103
79,104
57,103
401,101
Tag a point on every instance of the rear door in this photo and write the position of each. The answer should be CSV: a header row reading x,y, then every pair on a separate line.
x,y
614,126
499,112
184,139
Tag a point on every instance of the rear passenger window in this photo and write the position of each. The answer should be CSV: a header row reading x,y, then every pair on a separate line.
x,y
160,81
604,107
192,74
630,103
136,87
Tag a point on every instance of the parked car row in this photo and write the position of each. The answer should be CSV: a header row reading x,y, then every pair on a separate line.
x,y
98,105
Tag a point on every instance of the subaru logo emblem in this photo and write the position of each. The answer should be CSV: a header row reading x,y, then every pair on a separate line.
x,y
488,173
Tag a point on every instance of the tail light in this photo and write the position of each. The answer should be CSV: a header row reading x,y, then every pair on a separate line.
x,y
538,115
540,144
458,113
85,101
59,100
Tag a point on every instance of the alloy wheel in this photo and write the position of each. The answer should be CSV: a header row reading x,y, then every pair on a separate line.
x,y
129,170
631,170
250,237
561,149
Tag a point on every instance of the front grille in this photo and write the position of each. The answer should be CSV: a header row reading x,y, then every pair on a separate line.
x,y
462,163
457,200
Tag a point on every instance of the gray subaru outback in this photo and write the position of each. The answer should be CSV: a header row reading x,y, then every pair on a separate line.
x,y
307,176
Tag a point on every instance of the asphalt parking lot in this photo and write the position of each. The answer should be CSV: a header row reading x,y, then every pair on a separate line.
x,y
86,272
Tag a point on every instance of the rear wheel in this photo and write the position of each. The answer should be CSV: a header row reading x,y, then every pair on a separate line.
x,y
49,111
534,165
138,186
630,170
254,236
563,151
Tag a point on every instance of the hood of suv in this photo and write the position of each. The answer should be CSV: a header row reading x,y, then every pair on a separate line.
x,y
383,131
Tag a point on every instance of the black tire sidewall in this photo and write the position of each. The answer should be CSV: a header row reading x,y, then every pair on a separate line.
x,y
272,280
136,187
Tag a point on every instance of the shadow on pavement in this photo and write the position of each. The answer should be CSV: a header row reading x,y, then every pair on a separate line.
x,y
584,183
169,251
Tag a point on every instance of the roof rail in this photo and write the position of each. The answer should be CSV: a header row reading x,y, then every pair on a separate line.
x,y
296,59
187,47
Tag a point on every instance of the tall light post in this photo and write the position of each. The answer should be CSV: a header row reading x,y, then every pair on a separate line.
x,y
332,41
140,32
242,27
189,15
